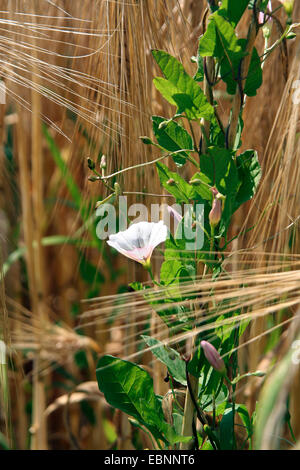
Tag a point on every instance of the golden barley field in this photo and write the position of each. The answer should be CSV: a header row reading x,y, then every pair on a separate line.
x,y
77,93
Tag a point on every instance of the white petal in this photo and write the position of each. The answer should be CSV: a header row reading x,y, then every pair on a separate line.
x,y
139,240
159,234
143,232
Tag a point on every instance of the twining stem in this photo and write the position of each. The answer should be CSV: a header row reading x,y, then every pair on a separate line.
x,y
140,165
209,67
189,409
209,76
149,269
212,241
196,410
238,98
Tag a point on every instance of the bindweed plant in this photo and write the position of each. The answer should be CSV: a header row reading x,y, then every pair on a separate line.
x,y
223,178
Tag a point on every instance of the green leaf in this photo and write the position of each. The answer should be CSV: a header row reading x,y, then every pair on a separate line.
x,y
166,88
215,166
170,277
208,42
3,442
230,73
216,135
219,167
206,401
238,138
226,425
227,39
226,430
180,89
180,189
173,137
255,75
233,10
197,363
169,357
221,42
243,326
201,184
249,173
169,271
225,331
199,75
137,286
128,387
244,415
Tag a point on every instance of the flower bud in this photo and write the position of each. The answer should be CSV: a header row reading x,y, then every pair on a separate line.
x,y
146,140
266,20
195,182
91,164
291,36
216,212
214,191
261,17
103,162
213,356
266,29
118,190
171,182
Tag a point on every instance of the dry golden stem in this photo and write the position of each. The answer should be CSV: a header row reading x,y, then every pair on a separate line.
x,y
39,436
25,189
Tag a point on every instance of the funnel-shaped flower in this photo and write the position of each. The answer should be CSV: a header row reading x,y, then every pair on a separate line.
x,y
261,16
139,240
216,210
174,213
213,356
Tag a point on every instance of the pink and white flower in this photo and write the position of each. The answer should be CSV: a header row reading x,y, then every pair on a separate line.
x,y
139,240
262,18
174,213
213,356
216,210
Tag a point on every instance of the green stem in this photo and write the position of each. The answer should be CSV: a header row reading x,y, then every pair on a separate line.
x,y
149,269
140,165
